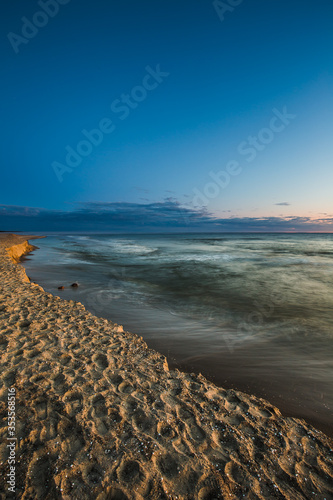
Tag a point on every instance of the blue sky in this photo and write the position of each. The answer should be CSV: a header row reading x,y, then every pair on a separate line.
x,y
179,95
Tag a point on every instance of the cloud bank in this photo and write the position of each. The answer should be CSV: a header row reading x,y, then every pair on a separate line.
x,y
166,216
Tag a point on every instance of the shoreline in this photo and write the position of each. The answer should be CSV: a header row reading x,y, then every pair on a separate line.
x,y
292,372
107,416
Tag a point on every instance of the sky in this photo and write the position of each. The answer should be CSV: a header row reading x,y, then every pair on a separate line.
x,y
162,116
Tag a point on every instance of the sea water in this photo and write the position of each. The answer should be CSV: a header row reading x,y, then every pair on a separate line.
x,y
249,311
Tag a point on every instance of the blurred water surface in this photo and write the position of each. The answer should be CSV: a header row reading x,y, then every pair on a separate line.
x,y
250,311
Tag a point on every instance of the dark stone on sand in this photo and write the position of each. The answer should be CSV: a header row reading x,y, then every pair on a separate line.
x,y
74,285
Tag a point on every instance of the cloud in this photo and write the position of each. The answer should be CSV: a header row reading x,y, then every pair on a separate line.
x,y
166,216
283,204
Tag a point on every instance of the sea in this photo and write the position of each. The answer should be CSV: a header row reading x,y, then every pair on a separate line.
x,y
253,312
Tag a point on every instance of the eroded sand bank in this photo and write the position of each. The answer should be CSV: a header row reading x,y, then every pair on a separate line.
x,y
99,415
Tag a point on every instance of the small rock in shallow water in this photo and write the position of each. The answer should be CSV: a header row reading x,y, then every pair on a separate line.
x,y
74,285
61,287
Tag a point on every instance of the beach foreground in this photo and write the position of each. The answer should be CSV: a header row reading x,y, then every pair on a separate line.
x,y
99,415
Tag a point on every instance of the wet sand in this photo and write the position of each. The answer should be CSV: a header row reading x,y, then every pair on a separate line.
x,y
99,415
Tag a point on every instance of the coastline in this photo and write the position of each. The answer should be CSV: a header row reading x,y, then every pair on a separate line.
x,y
106,416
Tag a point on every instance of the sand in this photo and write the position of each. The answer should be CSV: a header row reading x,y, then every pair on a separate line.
x,y
99,415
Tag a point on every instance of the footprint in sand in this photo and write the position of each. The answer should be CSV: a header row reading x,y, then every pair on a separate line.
x,y
144,423
92,474
184,414
233,419
8,378
71,436
40,476
125,388
65,359
158,405
40,408
165,430
181,446
99,408
73,402
101,361
58,383
114,415
65,427
24,324
168,466
130,473
3,343
130,405
31,353
49,430
235,472
260,412
196,433
72,486
208,493
113,378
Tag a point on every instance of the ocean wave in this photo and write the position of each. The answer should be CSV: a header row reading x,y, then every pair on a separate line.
x,y
205,257
131,248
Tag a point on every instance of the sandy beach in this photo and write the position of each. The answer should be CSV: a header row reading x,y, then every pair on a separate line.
x,y
100,415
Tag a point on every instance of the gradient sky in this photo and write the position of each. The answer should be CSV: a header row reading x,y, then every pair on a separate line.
x,y
222,80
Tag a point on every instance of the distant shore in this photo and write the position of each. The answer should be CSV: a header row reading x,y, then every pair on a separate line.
x,y
99,415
